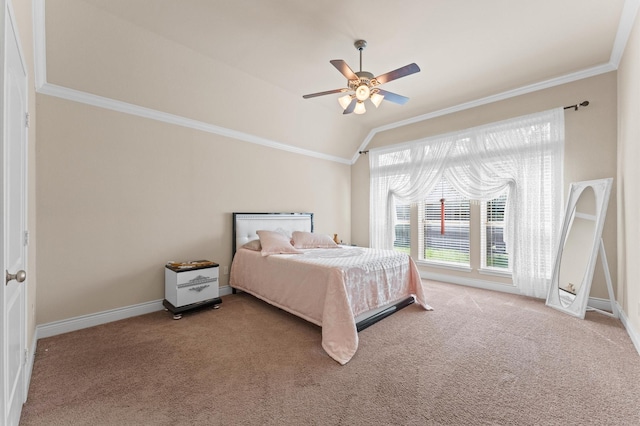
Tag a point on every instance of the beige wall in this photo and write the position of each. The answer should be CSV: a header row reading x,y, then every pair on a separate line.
x,y
628,178
590,152
96,52
119,195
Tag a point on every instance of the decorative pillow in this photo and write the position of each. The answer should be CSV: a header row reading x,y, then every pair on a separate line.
x,y
307,240
274,242
253,245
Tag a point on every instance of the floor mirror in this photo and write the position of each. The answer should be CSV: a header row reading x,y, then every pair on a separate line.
x,y
579,249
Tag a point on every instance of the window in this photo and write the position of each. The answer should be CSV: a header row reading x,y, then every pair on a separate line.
x,y
402,241
454,246
521,154
444,241
494,251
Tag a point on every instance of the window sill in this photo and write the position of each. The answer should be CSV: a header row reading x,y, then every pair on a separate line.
x,y
495,272
441,265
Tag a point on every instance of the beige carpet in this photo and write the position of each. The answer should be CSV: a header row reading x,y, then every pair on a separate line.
x,y
480,358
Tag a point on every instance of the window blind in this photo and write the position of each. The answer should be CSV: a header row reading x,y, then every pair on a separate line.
x,y
494,250
452,245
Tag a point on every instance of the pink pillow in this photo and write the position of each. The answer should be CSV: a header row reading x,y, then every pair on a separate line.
x,y
275,243
307,240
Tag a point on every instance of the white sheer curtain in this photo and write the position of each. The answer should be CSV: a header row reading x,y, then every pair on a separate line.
x,y
524,155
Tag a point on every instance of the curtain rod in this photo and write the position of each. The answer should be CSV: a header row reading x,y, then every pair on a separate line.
x,y
575,107
581,104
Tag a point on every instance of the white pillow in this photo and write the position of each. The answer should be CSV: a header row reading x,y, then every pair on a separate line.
x,y
275,243
307,240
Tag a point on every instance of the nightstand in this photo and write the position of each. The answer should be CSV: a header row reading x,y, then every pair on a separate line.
x,y
190,285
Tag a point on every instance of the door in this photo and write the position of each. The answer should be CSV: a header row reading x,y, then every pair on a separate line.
x,y
13,251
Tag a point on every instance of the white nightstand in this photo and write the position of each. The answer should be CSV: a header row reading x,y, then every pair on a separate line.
x,y
190,285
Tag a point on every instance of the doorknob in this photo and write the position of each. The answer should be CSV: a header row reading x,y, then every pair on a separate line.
x,y
19,276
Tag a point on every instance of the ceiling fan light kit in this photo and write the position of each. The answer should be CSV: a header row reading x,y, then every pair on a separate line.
x,y
344,101
363,85
376,99
363,92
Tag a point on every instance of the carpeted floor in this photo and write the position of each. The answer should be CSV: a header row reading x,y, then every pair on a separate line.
x,y
480,358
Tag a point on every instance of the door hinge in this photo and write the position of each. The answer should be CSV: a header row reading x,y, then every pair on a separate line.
x,y
26,356
27,117
26,238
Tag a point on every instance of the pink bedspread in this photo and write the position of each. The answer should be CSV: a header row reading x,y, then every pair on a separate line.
x,y
330,287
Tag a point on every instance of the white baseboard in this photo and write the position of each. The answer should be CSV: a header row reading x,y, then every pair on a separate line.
x,y
31,358
85,321
487,285
602,304
91,320
633,333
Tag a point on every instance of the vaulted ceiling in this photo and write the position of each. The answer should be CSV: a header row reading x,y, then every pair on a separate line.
x,y
244,65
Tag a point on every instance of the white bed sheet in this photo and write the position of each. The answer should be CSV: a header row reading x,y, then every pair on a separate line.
x,y
330,287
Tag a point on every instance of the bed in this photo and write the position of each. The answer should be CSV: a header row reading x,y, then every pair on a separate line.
x,y
342,289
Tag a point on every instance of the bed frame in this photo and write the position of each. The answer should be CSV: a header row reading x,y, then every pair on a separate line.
x,y
246,225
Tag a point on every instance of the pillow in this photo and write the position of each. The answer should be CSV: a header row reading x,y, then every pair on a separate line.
x,y
307,240
275,243
253,245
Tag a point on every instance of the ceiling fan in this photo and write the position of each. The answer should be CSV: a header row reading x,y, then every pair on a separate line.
x,y
362,85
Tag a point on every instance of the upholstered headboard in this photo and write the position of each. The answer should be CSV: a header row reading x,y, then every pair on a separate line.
x,y
246,225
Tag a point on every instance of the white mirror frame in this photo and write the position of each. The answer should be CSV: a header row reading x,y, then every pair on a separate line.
x,y
602,190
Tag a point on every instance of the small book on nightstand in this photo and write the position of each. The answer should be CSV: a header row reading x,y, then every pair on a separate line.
x,y
192,264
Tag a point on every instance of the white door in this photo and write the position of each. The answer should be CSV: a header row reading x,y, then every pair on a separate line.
x,y
13,251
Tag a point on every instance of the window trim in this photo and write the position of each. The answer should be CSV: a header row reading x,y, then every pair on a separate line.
x,y
498,272
444,265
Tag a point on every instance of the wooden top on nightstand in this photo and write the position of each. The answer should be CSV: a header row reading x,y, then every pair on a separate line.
x,y
191,265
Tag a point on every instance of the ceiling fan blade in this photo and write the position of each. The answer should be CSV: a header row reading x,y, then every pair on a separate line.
x,y
351,107
328,92
344,69
400,72
389,96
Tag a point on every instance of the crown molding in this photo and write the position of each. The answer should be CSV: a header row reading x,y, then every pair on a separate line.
x,y
152,114
43,87
627,19
39,44
568,78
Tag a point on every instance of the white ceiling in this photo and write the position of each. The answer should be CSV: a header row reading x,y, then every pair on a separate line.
x,y
466,49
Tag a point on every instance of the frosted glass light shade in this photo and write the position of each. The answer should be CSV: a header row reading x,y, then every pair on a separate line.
x,y
360,109
362,92
344,101
377,98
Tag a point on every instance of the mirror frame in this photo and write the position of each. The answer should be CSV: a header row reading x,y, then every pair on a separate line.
x,y
602,190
